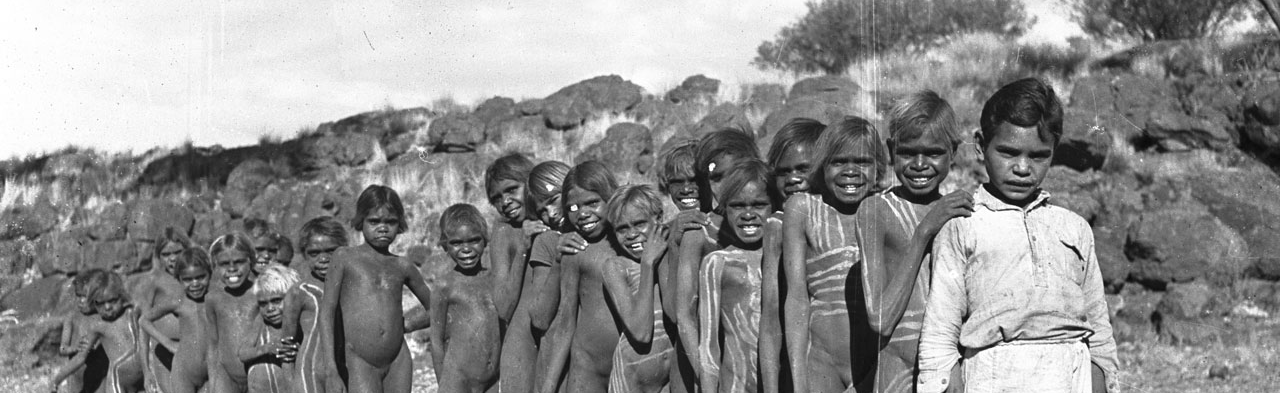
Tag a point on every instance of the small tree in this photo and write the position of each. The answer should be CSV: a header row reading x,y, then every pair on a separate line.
x,y
1151,20
836,33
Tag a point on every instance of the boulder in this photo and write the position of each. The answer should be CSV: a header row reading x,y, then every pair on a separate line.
x,y
16,256
495,110
835,90
1138,96
209,226
109,223
621,149
245,182
1182,316
726,115
1108,244
826,113
1093,93
40,297
288,206
664,117
455,132
28,221
1132,320
1182,242
1261,127
571,106
1174,130
525,133
1086,138
697,88
60,252
320,152
120,256
530,107
382,125
1248,203
149,217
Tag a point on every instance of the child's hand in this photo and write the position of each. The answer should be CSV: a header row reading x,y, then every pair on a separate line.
x,y
533,227
956,204
655,246
285,350
572,243
689,220
83,345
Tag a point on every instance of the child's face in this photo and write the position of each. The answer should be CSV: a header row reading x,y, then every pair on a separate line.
x,y
549,211
683,189
793,170
632,230
922,163
1017,160
850,174
715,173
746,211
272,307
169,255
233,267
195,281
380,228
109,306
508,198
264,252
83,305
584,212
318,253
465,244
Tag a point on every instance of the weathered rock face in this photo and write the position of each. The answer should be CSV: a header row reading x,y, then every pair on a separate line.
x,y
1086,138
827,113
16,256
1182,242
495,109
337,150
1262,118
1174,130
697,88
28,221
111,223
1181,316
456,132
245,182
39,297
766,97
1249,203
288,206
571,106
622,148
834,90
519,132
209,226
723,116
149,217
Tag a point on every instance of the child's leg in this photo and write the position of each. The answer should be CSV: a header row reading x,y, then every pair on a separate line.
x,y
126,374
362,376
399,377
158,367
518,355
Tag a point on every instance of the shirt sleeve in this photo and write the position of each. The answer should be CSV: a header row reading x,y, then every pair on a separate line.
x,y
1102,344
944,311
544,250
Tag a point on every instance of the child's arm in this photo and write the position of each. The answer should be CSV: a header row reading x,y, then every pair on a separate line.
x,y
251,352
416,283
709,323
770,295
687,260
292,311
508,271
796,307
439,312
75,363
560,335
147,322
893,260
1102,344
416,319
947,304
329,312
544,260
65,347
636,311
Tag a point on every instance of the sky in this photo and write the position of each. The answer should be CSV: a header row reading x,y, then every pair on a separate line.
x,y
131,75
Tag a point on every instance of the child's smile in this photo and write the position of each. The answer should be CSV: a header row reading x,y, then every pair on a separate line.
x,y
465,245
508,198
633,231
793,170
684,191
746,212
921,163
195,280
234,268
584,212
850,174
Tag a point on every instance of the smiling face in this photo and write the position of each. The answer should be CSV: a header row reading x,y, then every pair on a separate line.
x,y
271,305
585,213
683,189
109,306
169,255
380,228
233,267
922,163
549,211
195,282
318,253
633,230
715,174
465,244
850,174
792,173
508,198
1017,160
746,211
264,252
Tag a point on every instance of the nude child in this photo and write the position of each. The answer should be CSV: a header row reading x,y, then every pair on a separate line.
x,y
466,343
320,238
232,311
190,368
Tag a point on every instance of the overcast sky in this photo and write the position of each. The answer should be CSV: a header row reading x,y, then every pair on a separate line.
x,y
135,74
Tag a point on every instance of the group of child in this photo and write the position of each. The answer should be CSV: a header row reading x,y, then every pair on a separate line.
x,y
793,273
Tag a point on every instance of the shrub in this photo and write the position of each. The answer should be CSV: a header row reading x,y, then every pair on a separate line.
x,y
1151,20
836,33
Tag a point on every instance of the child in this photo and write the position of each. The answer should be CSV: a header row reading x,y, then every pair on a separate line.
x,y
818,249
897,227
729,301
366,283
791,157
156,284
272,346
696,236
284,248
585,333
1017,284
543,197
642,357
117,333
265,249
319,239
75,327
675,175
505,186
466,341
190,370
232,312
